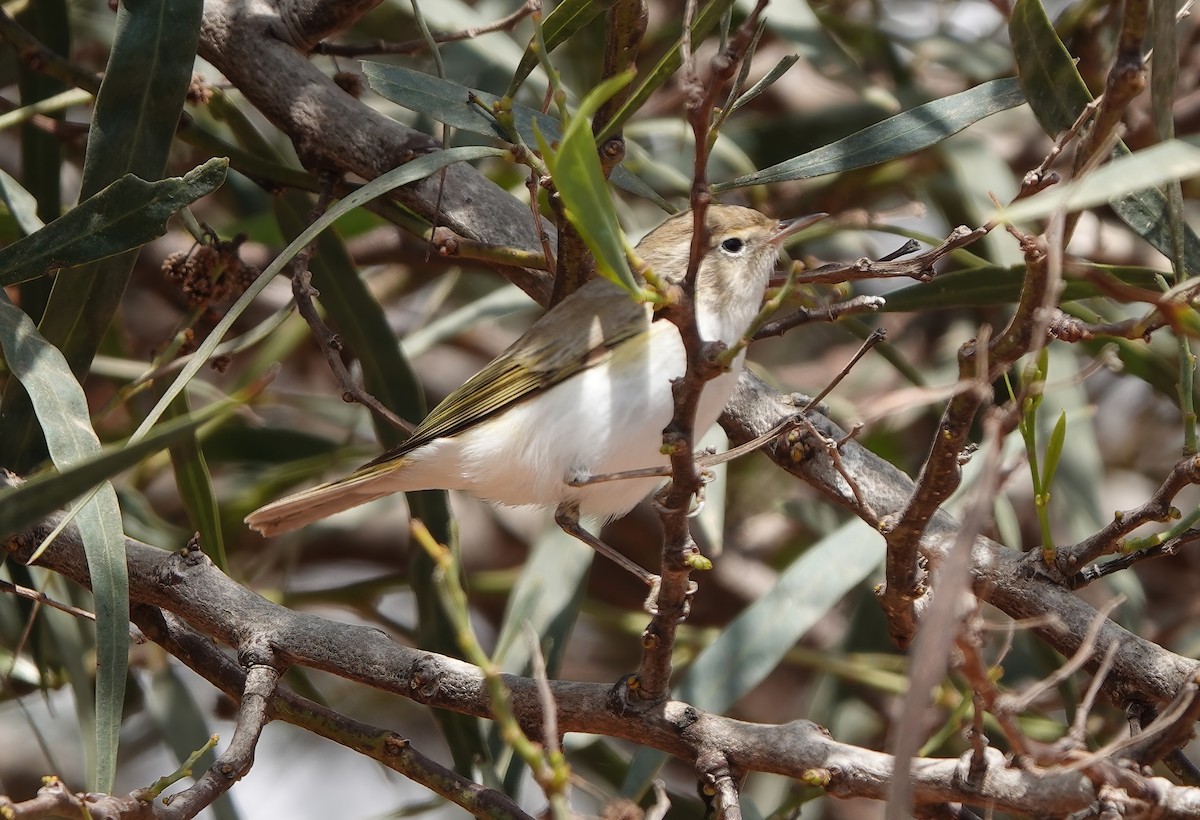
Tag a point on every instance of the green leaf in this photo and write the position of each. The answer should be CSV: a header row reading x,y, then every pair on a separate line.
x,y
567,18
20,204
29,503
756,640
577,174
133,127
1054,449
1058,95
1055,91
61,407
768,80
448,102
125,215
993,285
706,20
1165,162
239,443
895,137
41,152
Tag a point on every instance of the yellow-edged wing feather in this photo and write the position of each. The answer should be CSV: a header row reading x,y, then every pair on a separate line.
x,y
578,334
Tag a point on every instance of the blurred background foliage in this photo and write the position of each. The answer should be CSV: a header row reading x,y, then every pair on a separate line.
x,y
814,646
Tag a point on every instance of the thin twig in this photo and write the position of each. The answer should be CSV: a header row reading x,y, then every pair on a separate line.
x,y
826,313
422,43
1097,571
331,343
1157,508
43,598
679,553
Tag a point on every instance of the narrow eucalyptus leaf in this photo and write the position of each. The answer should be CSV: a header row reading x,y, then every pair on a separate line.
x,y
559,25
60,406
1058,95
1165,162
195,485
895,137
32,501
575,167
450,103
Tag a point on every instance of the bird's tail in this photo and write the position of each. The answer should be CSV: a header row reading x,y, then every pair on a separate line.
x,y
305,507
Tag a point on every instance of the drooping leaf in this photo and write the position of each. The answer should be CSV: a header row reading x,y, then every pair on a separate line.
x,y
32,501
60,406
1166,162
1052,85
897,136
133,127
1058,95
994,285
20,204
194,482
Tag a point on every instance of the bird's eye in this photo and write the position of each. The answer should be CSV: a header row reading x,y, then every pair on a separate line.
x,y
733,244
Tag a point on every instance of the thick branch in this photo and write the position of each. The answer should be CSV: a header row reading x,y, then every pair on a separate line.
x,y
1015,583
202,604
332,130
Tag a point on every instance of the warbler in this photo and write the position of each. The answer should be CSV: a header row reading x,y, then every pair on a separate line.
x,y
586,391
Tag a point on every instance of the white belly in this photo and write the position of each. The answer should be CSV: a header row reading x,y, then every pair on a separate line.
x,y
592,424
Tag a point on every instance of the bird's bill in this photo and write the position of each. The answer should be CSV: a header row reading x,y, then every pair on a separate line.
x,y
787,227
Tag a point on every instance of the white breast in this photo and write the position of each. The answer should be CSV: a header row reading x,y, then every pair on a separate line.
x,y
607,419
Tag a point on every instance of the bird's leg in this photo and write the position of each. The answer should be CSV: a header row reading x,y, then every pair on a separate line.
x,y
645,472
704,458
567,517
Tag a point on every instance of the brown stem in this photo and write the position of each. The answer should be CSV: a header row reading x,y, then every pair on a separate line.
x,y
680,553
420,45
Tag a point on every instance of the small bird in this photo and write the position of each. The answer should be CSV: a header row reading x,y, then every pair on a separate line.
x,y
585,392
